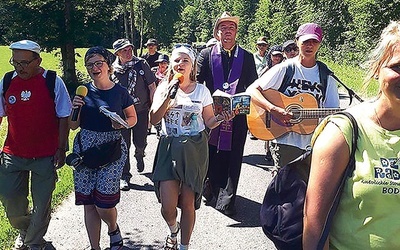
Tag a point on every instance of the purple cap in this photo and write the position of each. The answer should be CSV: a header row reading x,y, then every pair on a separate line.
x,y
309,31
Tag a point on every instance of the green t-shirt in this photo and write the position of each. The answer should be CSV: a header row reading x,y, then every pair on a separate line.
x,y
367,214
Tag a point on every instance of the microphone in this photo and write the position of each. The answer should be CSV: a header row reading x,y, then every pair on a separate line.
x,y
178,78
82,92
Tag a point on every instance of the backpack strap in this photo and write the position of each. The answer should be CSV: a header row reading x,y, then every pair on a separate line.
x,y
347,174
6,81
50,82
288,76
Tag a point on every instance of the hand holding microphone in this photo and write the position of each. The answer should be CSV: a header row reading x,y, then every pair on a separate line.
x,y
178,78
81,91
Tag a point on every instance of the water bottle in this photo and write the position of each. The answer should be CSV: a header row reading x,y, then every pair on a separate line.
x,y
194,125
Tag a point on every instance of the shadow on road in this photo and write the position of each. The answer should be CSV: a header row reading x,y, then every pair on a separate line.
x,y
257,160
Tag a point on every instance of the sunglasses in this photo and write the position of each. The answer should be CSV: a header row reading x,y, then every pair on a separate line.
x,y
262,45
186,45
293,48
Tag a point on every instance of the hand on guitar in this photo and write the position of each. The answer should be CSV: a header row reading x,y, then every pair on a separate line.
x,y
281,114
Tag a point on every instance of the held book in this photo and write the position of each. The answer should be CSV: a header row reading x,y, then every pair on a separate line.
x,y
238,103
113,116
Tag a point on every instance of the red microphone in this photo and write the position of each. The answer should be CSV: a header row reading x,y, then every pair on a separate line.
x,y
178,78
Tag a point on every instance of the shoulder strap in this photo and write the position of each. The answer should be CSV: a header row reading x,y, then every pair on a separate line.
x,y
6,81
51,82
348,173
288,76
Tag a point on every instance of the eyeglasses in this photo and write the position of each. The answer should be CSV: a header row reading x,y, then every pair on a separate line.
x,y
98,64
288,49
22,64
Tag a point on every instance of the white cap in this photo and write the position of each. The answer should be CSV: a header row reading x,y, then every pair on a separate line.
x,y
26,45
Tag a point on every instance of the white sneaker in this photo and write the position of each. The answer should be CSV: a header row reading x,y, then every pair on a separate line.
x,y
124,185
19,243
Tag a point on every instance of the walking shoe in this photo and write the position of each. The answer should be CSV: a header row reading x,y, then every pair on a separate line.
x,y
19,243
140,164
124,185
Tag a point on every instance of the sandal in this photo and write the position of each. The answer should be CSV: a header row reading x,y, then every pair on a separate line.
x,y
116,241
171,242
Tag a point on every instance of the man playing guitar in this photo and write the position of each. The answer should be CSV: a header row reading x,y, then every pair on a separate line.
x,y
306,79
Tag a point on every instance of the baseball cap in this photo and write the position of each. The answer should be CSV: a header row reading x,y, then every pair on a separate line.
x,y
287,43
262,40
309,31
151,41
26,45
162,58
120,44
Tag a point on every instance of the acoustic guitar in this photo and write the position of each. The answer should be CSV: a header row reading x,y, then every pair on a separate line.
x,y
304,108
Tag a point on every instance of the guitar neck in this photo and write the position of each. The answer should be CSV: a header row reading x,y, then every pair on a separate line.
x,y
314,113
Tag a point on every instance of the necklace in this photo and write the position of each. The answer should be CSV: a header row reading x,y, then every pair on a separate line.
x,y
377,118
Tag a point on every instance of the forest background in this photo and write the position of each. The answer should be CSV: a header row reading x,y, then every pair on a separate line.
x,y
351,27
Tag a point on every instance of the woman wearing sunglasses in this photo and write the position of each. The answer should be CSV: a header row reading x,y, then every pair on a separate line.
x,y
182,155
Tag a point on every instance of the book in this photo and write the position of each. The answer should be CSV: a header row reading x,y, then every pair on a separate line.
x,y
238,103
113,116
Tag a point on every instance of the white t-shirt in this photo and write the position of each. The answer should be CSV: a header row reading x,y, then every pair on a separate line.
x,y
185,115
307,80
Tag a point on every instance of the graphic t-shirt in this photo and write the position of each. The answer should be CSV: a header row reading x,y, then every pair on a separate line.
x,y
185,115
367,215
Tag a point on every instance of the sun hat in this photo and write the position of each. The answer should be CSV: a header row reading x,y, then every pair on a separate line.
x,y
309,31
162,58
151,41
120,44
226,16
262,40
26,45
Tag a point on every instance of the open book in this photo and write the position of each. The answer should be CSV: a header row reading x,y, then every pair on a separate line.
x,y
238,103
113,116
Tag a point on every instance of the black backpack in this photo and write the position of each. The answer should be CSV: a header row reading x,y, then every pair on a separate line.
x,y
281,213
50,82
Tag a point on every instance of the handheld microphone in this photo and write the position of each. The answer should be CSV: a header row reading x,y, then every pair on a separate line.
x,y
82,92
178,78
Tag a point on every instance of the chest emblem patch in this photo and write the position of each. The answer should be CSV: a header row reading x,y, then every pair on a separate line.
x,y
25,95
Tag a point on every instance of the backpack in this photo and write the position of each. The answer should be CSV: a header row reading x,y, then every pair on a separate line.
x,y
50,82
281,213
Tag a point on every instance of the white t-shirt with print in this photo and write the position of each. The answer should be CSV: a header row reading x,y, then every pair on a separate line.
x,y
185,114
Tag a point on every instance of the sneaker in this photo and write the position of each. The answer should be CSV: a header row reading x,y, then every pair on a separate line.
x,y
124,185
140,164
19,243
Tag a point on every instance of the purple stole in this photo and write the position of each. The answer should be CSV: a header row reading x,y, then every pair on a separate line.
x,y
221,136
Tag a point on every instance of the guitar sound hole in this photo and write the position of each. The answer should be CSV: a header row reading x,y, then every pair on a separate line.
x,y
295,110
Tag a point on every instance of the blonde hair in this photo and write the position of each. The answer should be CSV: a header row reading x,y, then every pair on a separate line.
x,y
383,51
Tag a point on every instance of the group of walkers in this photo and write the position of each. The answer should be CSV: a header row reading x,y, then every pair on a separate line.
x,y
199,154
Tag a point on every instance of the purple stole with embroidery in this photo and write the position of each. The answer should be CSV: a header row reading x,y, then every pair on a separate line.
x,y
221,136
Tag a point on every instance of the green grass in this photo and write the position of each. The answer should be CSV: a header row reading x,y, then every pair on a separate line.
x,y
350,75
